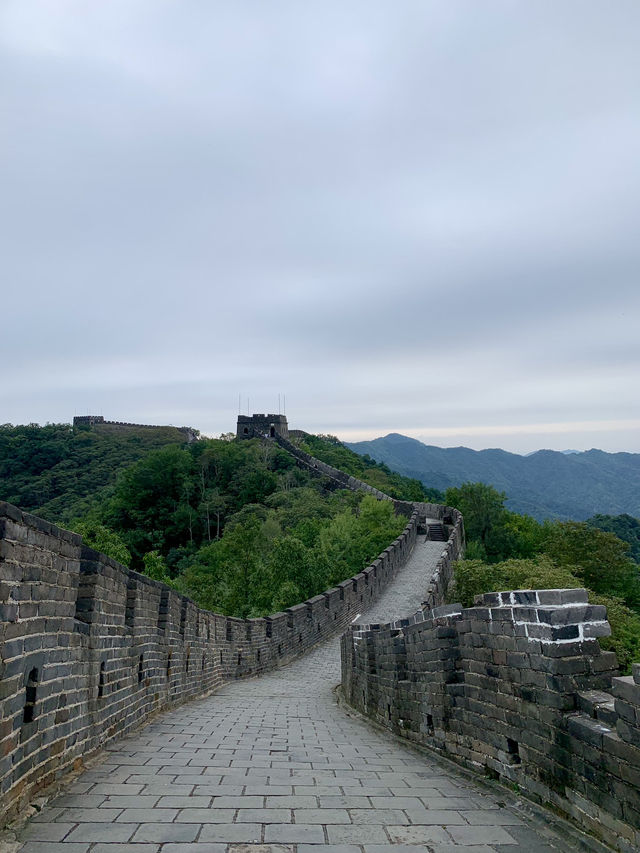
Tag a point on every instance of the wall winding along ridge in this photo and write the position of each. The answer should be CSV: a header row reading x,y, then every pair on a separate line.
x,y
89,649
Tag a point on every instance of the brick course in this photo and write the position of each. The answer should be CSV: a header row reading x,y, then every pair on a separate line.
x,y
518,687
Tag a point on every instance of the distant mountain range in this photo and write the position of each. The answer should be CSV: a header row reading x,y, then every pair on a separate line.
x,y
544,484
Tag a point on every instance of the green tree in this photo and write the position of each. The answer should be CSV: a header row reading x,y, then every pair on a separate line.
x,y
598,558
484,517
156,568
625,527
475,577
100,538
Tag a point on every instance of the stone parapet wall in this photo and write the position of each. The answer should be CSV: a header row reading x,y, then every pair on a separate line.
x,y
518,687
90,649
345,481
188,433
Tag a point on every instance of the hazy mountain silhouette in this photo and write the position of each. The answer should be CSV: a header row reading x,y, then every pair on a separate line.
x,y
545,484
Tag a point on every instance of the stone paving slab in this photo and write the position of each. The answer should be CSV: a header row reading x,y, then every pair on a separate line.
x,y
273,765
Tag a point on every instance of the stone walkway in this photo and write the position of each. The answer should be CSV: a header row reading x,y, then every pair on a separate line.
x,y
273,761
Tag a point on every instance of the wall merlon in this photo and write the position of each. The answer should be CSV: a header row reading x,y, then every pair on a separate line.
x,y
544,711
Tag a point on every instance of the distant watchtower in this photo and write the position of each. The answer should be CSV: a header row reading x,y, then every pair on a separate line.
x,y
87,420
262,426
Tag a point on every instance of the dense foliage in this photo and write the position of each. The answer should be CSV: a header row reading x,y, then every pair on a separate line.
x,y
329,449
288,551
56,471
625,527
234,524
238,527
508,551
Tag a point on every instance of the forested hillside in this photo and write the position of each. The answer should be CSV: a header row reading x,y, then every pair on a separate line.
x,y
508,551
56,471
331,450
234,524
625,527
546,484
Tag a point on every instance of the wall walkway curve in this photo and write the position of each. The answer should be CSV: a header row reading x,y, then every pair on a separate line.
x,y
90,649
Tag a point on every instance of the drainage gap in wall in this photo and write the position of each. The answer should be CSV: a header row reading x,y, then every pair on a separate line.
x,y
429,724
168,666
188,659
239,658
269,628
140,669
513,749
101,681
203,661
28,715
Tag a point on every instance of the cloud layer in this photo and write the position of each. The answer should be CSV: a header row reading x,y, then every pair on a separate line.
x,y
420,218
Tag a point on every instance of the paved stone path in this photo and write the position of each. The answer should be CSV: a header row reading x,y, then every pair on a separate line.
x,y
273,761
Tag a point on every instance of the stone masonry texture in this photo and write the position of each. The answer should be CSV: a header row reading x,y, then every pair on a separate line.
x,y
517,686
274,765
90,649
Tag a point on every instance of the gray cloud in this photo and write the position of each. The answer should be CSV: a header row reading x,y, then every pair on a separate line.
x,y
404,218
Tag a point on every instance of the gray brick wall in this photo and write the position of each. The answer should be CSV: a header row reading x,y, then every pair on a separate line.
x,y
518,687
107,647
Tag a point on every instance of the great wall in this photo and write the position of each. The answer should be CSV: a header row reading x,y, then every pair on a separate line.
x,y
516,687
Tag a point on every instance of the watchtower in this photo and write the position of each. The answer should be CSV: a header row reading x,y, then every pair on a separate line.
x,y
262,426
87,420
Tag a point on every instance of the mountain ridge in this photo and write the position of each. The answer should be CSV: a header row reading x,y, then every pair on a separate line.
x,y
544,484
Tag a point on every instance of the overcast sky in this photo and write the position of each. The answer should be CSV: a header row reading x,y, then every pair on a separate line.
x,y
420,217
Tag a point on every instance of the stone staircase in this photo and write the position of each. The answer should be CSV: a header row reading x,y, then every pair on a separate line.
x,y
436,533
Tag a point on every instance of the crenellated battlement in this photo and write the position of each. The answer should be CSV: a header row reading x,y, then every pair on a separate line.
x,y
518,687
90,649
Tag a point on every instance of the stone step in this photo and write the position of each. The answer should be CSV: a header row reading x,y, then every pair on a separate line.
x,y
436,533
599,705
